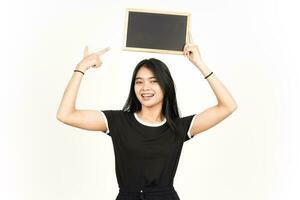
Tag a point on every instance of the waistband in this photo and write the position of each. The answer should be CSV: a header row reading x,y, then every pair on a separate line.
x,y
146,191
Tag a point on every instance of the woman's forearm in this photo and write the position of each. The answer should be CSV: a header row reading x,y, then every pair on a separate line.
x,y
223,96
68,102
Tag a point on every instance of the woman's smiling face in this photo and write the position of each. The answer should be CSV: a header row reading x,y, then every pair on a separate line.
x,y
147,89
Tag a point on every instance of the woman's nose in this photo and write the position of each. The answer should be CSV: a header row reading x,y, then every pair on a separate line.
x,y
145,86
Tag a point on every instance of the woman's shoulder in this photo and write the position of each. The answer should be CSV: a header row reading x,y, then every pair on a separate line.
x,y
116,112
186,117
184,120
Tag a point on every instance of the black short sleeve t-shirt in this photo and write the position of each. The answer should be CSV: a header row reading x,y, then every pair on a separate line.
x,y
145,154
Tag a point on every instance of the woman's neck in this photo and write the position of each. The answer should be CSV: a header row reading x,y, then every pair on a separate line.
x,y
151,115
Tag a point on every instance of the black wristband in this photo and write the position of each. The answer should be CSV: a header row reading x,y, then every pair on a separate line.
x,y
208,75
78,71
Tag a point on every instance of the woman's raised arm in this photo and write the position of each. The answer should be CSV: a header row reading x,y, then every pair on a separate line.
x,y
67,113
226,103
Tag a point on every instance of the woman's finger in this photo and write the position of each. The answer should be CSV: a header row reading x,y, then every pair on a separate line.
x,y
86,51
101,52
184,48
190,37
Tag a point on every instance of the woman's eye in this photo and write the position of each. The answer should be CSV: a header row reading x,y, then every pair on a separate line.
x,y
140,82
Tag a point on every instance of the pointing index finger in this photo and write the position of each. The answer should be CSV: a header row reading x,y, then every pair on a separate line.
x,y
101,52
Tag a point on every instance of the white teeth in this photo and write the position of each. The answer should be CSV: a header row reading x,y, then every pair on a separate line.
x,y
147,95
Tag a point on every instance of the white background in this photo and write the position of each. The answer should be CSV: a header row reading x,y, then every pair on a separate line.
x,y
251,46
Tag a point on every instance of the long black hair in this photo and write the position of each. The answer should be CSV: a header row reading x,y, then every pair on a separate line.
x,y
165,80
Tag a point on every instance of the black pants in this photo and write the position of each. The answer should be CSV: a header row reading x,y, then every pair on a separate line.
x,y
157,193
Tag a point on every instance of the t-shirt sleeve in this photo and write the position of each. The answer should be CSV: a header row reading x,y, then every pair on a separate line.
x,y
185,124
110,117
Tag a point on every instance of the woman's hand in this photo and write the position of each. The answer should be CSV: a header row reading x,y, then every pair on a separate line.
x,y
191,51
91,60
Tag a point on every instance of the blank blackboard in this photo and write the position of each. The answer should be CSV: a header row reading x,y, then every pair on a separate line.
x,y
155,31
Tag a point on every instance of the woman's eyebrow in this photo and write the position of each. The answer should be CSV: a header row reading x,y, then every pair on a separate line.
x,y
144,78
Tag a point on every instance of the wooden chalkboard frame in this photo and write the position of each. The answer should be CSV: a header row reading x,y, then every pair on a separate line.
x,y
154,50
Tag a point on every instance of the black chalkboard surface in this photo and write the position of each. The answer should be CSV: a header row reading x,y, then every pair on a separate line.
x,y
155,31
